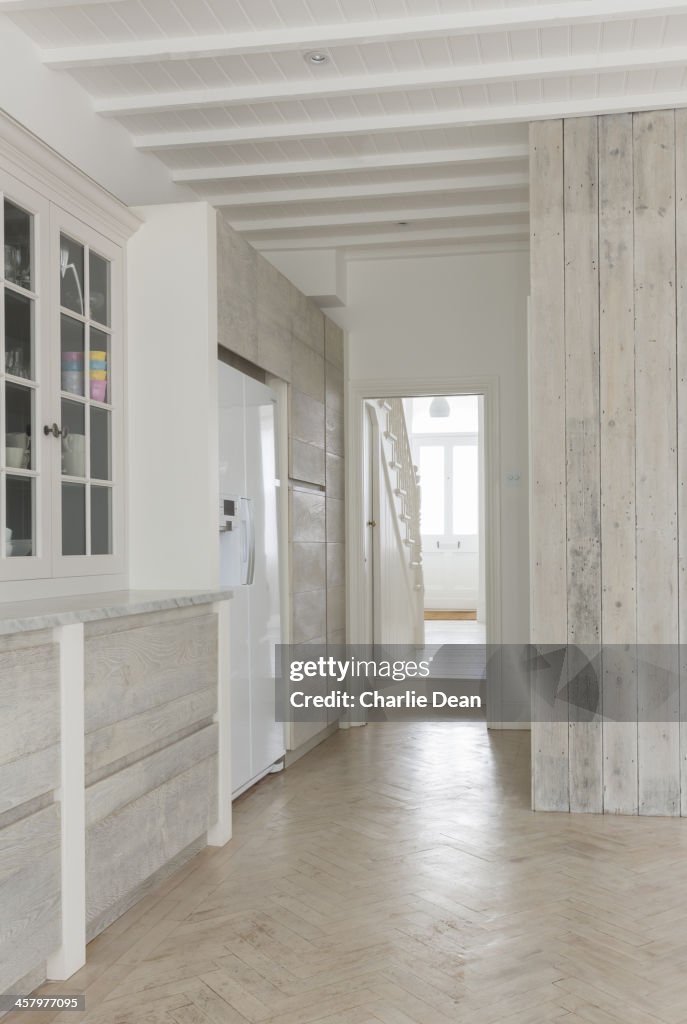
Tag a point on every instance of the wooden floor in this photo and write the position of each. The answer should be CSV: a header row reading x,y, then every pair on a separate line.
x,y
397,875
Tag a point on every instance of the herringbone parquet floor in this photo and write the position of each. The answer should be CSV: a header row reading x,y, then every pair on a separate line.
x,y
396,875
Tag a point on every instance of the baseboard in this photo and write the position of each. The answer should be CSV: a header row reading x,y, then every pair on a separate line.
x,y
295,755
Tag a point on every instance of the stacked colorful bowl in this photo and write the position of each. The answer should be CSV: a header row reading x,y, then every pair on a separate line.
x,y
72,372
99,376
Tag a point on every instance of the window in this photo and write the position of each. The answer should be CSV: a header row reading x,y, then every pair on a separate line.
x,y
444,435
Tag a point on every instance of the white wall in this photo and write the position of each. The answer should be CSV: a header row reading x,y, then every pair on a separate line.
x,y
173,433
456,316
56,109
451,580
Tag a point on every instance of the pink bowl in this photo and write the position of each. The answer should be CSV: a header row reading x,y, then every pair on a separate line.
x,y
99,390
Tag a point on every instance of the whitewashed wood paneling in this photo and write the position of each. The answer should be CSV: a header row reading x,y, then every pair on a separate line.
x,y
549,616
581,211
656,455
617,384
625,408
681,305
30,873
137,667
150,750
124,849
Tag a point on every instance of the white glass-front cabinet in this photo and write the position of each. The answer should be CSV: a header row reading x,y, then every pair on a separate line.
x,y
61,393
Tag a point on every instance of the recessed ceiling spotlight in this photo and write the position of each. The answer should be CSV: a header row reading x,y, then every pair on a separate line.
x,y
317,57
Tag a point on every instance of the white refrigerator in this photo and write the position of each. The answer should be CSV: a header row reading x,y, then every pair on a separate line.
x,y
249,561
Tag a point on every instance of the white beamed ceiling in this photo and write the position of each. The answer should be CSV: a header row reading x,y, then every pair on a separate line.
x,y
420,116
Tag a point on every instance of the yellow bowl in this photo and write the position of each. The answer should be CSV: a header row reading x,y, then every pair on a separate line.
x,y
98,355
98,374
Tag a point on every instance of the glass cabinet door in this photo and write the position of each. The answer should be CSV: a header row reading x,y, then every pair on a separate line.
x,y
89,399
22,218
61,394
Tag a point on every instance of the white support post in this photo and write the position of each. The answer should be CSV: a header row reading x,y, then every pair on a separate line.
x,y
71,955
220,833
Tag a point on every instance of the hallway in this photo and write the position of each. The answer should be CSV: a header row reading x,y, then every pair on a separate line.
x,y
396,875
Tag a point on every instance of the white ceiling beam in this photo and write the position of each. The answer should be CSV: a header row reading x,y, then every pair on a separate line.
x,y
421,78
401,236
483,183
361,162
432,248
504,19
460,117
325,220
19,6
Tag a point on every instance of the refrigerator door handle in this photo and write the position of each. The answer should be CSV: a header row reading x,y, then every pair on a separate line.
x,y
250,575
244,542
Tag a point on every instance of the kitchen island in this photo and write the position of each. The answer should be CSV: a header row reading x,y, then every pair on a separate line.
x,y
114,763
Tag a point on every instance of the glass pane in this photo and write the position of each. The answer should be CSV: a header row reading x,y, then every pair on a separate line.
x,y
433,484
99,287
465,489
456,415
18,245
101,521
100,444
19,530
18,426
72,345
73,519
99,366
71,275
18,335
73,438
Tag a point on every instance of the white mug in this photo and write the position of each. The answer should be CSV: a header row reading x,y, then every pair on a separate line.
x,y
74,455
17,440
15,457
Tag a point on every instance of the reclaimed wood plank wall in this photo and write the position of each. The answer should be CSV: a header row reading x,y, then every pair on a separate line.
x,y
608,404
30,835
151,751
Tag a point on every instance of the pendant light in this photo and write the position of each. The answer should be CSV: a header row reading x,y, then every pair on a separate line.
x,y
439,409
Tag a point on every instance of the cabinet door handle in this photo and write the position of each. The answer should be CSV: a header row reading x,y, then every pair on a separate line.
x,y
54,430
371,522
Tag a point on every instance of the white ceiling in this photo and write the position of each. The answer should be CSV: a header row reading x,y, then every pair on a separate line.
x,y
412,136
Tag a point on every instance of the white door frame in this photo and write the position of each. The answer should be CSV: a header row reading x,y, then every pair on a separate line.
x,y
366,390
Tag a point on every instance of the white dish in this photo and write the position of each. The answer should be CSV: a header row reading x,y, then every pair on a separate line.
x,y
21,547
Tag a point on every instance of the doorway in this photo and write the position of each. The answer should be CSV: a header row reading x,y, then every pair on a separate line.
x,y
367,405
362,395
447,441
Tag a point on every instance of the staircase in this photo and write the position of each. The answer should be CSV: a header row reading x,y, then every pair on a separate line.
x,y
402,482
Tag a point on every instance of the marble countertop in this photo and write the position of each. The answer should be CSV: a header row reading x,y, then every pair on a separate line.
x,y
23,616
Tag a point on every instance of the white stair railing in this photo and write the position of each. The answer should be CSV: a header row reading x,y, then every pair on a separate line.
x,y
396,446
